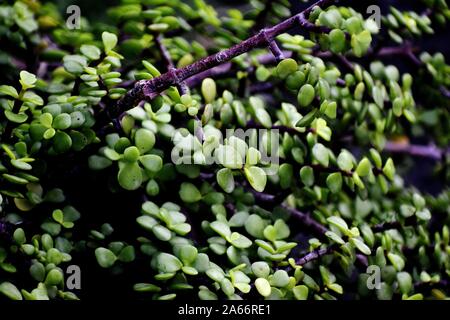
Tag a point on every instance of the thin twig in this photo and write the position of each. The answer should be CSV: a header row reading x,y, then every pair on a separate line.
x,y
307,221
170,66
430,151
314,255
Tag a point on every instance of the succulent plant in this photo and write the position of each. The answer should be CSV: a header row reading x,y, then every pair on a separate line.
x,y
263,153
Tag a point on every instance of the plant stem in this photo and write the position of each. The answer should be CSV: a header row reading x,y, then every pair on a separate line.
x,y
149,89
313,255
431,151
307,221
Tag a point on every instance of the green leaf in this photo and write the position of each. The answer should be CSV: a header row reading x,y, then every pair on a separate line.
x,y
189,193
339,223
270,233
225,179
363,168
209,90
144,140
280,279
282,229
151,162
92,52
54,277
255,226
62,142
27,80
37,271
361,42
376,157
215,274
320,153
105,257
16,117
357,180
19,164
58,216
227,287
334,182
221,228
335,287
240,241
260,269
389,169
337,40
263,117
46,119
396,261
306,95
322,129
286,67
345,161
130,176
19,236
307,176
109,41
300,292
377,94
162,233
188,254
98,163
9,91
256,177
423,214
62,121
167,263
263,287
307,119
361,246
229,157
131,154
10,291
333,236
286,174
404,282
146,287
331,110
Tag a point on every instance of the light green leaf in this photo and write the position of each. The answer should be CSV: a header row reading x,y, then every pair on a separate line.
x,y
256,177
225,179
27,80
9,91
189,193
10,290
361,246
320,153
263,287
151,162
109,41
105,257
334,182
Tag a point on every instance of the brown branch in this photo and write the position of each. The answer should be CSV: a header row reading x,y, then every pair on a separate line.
x,y
307,221
430,151
314,255
149,89
170,66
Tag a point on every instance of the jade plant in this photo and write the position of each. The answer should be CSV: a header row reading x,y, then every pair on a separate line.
x,y
263,152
